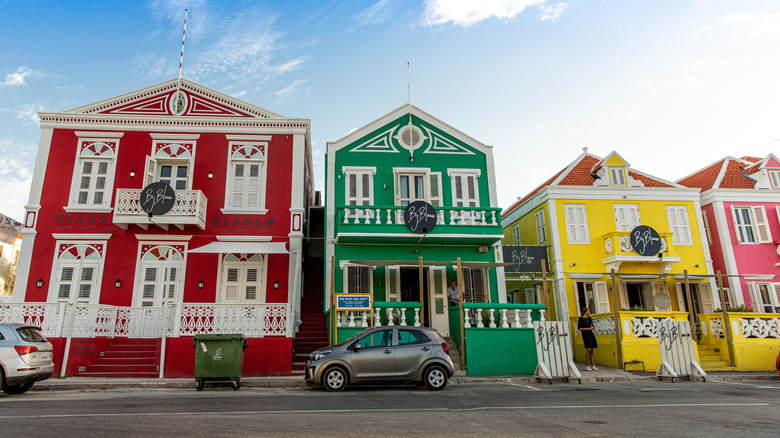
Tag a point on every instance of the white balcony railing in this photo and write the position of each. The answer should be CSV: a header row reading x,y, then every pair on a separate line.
x,y
92,320
188,209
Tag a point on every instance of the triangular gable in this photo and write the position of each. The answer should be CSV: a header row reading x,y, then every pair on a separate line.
x,y
179,98
381,135
613,159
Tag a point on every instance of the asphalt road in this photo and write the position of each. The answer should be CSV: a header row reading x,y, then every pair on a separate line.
x,y
711,409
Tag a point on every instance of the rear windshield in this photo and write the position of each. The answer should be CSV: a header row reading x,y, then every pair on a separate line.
x,y
30,334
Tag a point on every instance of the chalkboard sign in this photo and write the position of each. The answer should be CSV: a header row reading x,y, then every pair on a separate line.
x,y
420,217
645,241
157,198
526,258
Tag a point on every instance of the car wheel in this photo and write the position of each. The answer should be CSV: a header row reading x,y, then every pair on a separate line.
x,y
199,385
435,378
335,379
17,389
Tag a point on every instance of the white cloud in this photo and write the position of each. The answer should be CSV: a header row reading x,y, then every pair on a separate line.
x,y
638,84
552,12
28,113
293,90
752,24
469,12
153,65
15,177
198,16
19,77
378,13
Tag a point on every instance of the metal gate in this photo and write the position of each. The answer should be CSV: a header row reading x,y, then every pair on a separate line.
x,y
554,352
678,354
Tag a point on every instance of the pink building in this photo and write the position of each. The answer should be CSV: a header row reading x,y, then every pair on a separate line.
x,y
740,199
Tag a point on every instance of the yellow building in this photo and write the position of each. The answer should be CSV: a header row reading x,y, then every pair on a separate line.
x,y
620,242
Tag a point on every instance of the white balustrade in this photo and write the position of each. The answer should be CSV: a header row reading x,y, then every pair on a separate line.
x,y
760,327
394,216
604,326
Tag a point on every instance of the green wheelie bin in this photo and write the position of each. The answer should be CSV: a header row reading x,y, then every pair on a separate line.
x,y
219,358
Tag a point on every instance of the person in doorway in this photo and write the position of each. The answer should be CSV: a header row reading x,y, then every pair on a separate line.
x,y
453,294
585,326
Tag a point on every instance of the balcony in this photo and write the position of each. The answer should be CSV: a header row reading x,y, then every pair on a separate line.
x,y
385,224
618,250
189,209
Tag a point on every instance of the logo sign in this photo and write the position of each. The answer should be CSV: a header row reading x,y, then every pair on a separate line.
x,y
645,241
353,301
527,258
157,198
420,217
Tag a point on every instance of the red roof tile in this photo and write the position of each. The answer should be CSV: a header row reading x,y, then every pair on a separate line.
x,y
733,177
705,178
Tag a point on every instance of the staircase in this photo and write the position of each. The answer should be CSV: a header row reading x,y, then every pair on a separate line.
x,y
455,356
312,334
126,358
712,359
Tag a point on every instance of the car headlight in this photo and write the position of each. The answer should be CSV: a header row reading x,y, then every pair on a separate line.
x,y
320,355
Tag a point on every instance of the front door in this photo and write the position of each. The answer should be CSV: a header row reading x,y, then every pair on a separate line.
x,y
410,291
438,302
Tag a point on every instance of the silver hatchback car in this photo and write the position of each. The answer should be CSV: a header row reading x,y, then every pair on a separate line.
x,y
383,355
25,357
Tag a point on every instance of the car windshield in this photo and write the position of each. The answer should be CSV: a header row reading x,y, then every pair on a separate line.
x,y
30,334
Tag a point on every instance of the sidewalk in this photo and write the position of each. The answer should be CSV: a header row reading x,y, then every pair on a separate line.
x,y
604,374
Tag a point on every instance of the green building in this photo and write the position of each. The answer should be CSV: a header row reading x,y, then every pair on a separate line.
x,y
374,177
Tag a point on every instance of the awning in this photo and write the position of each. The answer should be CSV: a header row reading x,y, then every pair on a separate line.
x,y
241,248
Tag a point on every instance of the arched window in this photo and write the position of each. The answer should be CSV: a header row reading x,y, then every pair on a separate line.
x,y
78,274
246,177
161,271
243,278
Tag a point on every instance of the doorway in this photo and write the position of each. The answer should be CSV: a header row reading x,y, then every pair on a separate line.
x,y
410,291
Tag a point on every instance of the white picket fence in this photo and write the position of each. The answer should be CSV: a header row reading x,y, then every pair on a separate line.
x,y
678,354
91,320
554,352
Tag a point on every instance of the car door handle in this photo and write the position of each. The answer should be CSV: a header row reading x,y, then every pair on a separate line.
x,y
387,351
426,349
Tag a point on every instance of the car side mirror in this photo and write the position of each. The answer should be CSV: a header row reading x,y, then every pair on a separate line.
x,y
357,347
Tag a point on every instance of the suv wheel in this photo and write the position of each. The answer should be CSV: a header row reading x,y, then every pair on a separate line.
x,y
17,389
435,378
335,379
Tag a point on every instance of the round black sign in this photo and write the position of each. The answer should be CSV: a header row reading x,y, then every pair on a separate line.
x,y
645,241
420,217
157,198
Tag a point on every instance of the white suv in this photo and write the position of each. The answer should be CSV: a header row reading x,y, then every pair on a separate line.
x,y
25,357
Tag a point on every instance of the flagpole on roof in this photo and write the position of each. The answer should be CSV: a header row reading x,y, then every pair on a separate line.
x,y
183,35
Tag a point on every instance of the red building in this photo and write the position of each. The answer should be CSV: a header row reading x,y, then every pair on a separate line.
x,y
101,275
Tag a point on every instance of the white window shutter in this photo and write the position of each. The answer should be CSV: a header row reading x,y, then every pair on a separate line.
x,y
755,298
393,290
761,225
151,170
707,226
738,234
602,297
705,298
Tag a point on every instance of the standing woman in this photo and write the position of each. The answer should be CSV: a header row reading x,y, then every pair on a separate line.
x,y
585,326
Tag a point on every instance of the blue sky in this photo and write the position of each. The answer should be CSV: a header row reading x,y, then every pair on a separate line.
x,y
670,85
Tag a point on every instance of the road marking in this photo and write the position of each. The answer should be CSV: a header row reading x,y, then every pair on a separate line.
x,y
752,385
659,389
376,411
527,386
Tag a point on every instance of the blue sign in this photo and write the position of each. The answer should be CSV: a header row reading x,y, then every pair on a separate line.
x,y
353,301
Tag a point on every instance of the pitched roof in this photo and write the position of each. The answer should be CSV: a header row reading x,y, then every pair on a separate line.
x,y
726,173
580,173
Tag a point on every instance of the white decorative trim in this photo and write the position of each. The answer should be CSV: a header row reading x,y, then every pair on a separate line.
x,y
238,211
477,172
163,237
360,169
99,134
168,136
584,276
82,236
234,137
244,238
77,209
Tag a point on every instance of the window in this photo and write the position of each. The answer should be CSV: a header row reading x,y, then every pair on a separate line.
x,y
750,224
465,188
411,337
246,176
171,160
382,338
243,278
411,187
359,186
77,273
765,297
160,274
626,216
592,295
677,215
617,176
541,232
474,285
93,176
576,223
707,227
435,186
774,176
516,234
358,279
